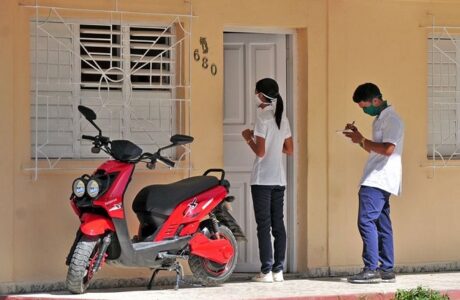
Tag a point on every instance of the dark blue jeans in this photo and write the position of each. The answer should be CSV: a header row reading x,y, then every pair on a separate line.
x,y
268,203
375,228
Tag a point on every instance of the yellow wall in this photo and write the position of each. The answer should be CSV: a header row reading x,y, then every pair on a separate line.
x,y
385,42
340,44
6,146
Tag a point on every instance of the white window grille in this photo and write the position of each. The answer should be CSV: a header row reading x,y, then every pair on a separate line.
x,y
52,109
444,94
148,57
125,72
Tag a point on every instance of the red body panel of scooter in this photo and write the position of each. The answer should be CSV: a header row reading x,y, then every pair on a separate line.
x,y
220,251
112,200
95,225
190,212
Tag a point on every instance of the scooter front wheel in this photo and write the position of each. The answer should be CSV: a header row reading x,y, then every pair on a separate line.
x,y
211,273
81,265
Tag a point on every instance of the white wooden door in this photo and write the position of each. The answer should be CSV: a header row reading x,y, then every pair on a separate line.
x,y
247,58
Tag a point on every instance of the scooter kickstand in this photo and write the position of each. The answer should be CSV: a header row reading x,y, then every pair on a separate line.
x,y
155,272
179,274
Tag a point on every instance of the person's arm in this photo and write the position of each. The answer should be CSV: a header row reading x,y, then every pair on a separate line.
x,y
257,145
391,131
381,148
288,146
368,145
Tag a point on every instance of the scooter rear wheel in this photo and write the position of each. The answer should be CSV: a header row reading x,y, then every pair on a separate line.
x,y
211,273
80,268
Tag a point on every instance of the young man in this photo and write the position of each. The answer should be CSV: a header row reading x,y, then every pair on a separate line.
x,y
381,178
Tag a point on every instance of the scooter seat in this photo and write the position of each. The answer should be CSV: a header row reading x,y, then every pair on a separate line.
x,y
161,199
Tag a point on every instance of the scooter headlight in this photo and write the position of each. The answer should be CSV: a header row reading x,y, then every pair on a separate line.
x,y
93,188
78,187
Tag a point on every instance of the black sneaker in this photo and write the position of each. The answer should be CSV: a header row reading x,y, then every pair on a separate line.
x,y
366,276
388,276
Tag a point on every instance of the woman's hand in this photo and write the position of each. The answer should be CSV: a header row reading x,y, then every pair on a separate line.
x,y
247,134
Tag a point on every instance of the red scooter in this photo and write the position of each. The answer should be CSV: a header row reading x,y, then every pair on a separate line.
x,y
187,219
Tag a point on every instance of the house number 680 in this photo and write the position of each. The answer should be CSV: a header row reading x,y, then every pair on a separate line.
x,y
213,69
205,63
196,55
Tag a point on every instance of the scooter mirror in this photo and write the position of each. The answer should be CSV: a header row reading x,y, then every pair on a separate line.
x,y
179,139
87,112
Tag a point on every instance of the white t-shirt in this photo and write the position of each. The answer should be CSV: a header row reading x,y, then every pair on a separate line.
x,y
385,172
269,169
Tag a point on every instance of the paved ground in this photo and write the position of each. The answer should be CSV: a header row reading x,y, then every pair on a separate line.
x,y
292,288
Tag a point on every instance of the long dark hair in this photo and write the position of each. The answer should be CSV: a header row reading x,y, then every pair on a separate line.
x,y
269,87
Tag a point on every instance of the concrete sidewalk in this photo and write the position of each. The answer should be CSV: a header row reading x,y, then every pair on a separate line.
x,y
292,288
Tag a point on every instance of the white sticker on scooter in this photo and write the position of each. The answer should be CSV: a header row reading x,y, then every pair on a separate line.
x,y
115,207
191,206
207,203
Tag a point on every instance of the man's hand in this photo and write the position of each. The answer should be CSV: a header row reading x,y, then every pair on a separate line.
x,y
351,126
355,135
247,134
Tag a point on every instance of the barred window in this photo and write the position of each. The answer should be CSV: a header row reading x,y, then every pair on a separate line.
x,y
444,97
124,73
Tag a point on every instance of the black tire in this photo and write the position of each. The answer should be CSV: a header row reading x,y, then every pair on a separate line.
x,y
79,274
203,269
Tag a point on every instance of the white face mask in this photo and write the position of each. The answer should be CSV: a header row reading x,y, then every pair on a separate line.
x,y
257,101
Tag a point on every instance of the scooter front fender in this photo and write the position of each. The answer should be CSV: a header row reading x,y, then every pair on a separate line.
x,y
94,225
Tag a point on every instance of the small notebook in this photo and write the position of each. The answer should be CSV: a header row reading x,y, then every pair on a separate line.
x,y
344,131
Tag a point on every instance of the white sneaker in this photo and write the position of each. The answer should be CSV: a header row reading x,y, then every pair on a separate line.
x,y
278,277
261,277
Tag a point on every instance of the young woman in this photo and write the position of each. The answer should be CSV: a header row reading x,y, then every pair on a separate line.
x,y
270,138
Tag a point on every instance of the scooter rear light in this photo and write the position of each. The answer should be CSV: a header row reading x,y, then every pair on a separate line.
x,y
229,199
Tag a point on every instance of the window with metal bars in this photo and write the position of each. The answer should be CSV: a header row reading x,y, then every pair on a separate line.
x,y
150,52
108,54
101,56
443,97
124,73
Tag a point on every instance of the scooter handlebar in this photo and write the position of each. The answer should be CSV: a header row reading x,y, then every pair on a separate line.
x,y
166,161
88,137
98,138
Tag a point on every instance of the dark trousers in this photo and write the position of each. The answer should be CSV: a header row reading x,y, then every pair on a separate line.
x,y
268,203
375,228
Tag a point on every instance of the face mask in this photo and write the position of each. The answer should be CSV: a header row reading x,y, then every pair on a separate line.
x,y
257,101
375,110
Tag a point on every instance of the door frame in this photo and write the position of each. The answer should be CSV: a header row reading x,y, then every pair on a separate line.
x,y
292,162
